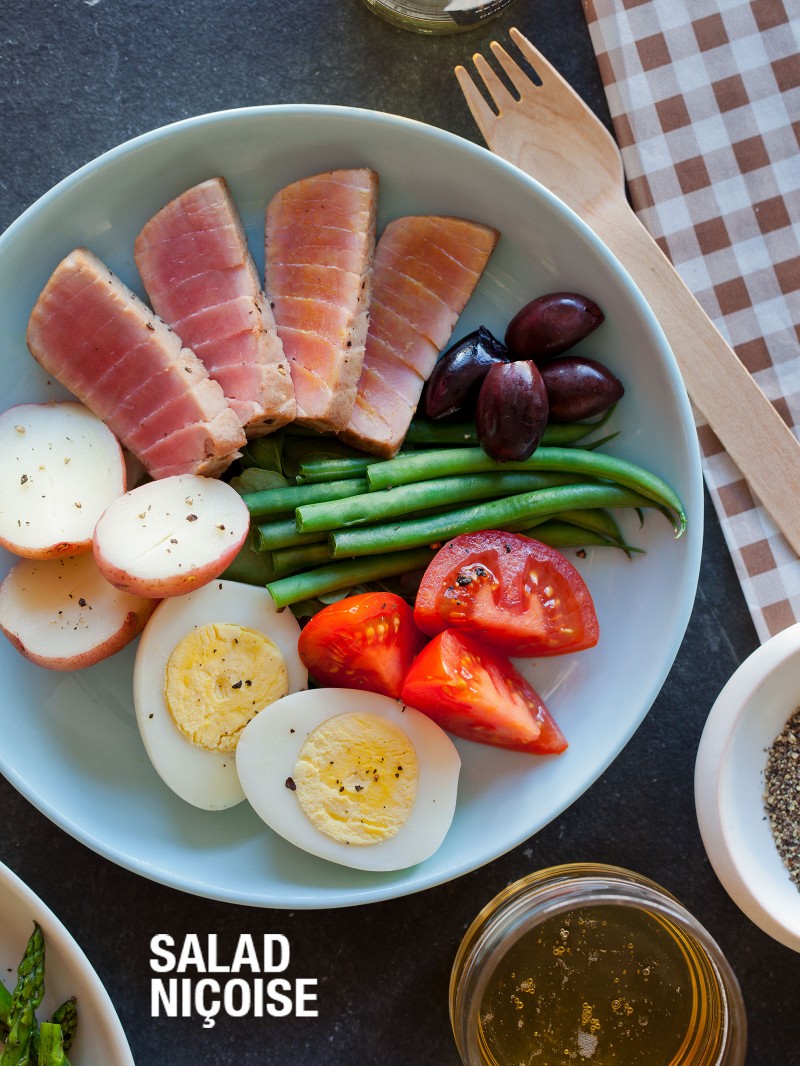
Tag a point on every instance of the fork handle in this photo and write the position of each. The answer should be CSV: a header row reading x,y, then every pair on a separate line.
x,y
749,427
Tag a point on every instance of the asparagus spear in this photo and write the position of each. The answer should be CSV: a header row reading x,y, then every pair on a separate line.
x,y
5,1007
51,1045
67,1017
25,999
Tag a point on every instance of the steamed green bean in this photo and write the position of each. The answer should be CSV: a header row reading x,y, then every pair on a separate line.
x,y
511,513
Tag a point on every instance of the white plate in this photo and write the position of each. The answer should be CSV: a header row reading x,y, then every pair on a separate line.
x,y
70,742
100,1040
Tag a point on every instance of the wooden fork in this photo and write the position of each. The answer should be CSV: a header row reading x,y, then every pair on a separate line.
x,y
553,136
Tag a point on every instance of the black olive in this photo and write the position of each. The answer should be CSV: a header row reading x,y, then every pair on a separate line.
x,y
550,324
512,411
579,388
453,387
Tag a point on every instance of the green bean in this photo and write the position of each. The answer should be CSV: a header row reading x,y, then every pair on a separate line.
x,y
316,470
283,500
299,450
434,433
563,434
342,575
597,523
560,534
511,513
447,462
596,520
420,496
291,560
422,431
593,445
282,533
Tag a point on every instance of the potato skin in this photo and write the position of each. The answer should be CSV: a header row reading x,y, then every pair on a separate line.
x,y
62,614
168,537
51,551
130,627
60,417
162,588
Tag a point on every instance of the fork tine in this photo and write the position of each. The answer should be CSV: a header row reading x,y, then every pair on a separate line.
x,y
519,79
545,70
569,101
533,55
497,90
481,112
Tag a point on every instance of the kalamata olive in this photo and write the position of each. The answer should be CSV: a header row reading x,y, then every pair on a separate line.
x,y
512,411
550,324
456,379
579,388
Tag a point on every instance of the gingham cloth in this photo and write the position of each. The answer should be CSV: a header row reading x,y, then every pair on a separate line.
x,y
705,100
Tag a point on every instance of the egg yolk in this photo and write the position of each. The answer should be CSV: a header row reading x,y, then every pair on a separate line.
x,y
356,778
218,678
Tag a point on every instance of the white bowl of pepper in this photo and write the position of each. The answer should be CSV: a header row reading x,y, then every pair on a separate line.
x,y
747,787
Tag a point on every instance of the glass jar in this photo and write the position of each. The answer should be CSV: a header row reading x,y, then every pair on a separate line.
x,y
594,964
437,16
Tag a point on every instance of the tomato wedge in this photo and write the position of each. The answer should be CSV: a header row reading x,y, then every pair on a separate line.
x,y
476,693
519,595
366,641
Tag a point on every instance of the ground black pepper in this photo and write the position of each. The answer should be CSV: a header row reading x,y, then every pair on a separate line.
x,y
782,794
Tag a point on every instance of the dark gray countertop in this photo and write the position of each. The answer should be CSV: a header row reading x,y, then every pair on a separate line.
x,y
79,77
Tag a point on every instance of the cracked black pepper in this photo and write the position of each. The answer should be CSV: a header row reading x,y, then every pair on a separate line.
x,y
782,794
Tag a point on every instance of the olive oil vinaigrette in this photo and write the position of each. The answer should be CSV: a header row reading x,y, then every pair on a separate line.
x,y
593,964
611,984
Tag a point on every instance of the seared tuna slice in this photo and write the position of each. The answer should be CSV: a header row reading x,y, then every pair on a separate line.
x,y
320,239
106,346
201,280
426,268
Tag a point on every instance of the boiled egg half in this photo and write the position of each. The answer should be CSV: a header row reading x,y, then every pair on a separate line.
x,y
209,662
351,776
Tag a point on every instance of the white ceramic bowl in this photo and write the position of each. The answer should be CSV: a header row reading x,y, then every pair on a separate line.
x,y
70,742
747,716
100,1040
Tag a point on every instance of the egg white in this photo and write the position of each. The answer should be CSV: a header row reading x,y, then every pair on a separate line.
x,y
268,750
206,779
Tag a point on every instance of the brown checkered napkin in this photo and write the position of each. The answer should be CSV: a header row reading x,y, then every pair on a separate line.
x,y
705,98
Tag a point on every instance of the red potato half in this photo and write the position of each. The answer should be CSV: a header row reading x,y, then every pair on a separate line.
x,y
170,536
63,615
60,467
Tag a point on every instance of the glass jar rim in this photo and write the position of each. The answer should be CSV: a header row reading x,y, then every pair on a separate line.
x,y
428,18
555,890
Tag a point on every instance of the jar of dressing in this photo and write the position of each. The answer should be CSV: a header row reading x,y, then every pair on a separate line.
x,y
595,965
437,16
